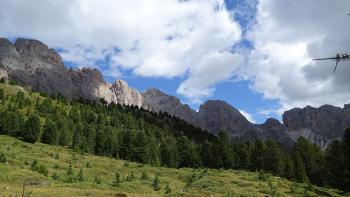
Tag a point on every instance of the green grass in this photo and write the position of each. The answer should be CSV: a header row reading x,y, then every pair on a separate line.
x,y
183,182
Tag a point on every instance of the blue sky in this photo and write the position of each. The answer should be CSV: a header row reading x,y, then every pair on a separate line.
x,y
250,53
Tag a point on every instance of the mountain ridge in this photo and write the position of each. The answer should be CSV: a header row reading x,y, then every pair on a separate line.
x,y
34,65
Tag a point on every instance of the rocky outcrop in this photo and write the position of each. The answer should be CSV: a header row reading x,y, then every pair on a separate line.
x,y
35,66
320,125
126,95
156,100
3,74
214,115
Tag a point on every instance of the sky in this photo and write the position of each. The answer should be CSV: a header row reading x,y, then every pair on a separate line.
x,y
254,54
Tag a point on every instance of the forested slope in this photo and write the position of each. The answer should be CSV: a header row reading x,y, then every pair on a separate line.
x,y
137,135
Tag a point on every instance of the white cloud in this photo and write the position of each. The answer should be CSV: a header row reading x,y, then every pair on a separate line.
x,y
248,116
287,36
167,38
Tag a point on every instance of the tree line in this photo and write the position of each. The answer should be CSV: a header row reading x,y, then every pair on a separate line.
x,y
130,133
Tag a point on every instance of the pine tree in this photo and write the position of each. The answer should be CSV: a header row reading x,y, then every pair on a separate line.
x,y
299,169
273,158
141,148
50,133
258,155
169,152
77,136
313,160
288,167
64,132
225,150
31,129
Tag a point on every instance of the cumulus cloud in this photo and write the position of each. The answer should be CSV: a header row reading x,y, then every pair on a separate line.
x,y
286,37
169,38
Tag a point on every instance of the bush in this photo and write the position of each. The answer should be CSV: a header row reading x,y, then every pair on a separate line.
x,y
130,177
2,94
2,80
43,170
81,175
98,180
56,166
156,186
57,156
144,175
88,164
39,168
34,165
13,82
55,177
3,158
263,176
117,179
70,174
167,189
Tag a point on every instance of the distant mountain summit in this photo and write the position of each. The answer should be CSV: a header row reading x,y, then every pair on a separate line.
x,y
35,66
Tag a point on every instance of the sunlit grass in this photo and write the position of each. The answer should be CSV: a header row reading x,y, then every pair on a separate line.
x,y
183,182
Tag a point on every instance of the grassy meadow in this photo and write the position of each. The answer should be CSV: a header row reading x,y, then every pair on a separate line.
x,y
99,177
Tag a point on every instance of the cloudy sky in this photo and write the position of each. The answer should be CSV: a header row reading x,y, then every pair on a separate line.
x,y
255,54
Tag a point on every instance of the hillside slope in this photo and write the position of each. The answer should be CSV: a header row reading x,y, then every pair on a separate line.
x,y
183,182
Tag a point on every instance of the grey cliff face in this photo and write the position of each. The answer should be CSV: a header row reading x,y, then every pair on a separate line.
x,y
215,115
155,100
320,125
40,68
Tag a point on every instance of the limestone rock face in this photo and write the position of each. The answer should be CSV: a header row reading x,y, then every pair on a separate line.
x,y
40,68
3,74
126,95
156,101
215,115
320,125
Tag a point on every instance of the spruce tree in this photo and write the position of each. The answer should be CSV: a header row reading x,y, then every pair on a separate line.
x,y
288,167
299,168
141,148
273,158
31,129
258,155
50,133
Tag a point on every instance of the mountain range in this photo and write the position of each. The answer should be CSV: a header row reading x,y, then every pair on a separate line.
x,y
35,66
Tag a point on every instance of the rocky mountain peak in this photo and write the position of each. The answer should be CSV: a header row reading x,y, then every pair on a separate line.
x,y
347,107
126,95
270,122
156,100
215,115
34,48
